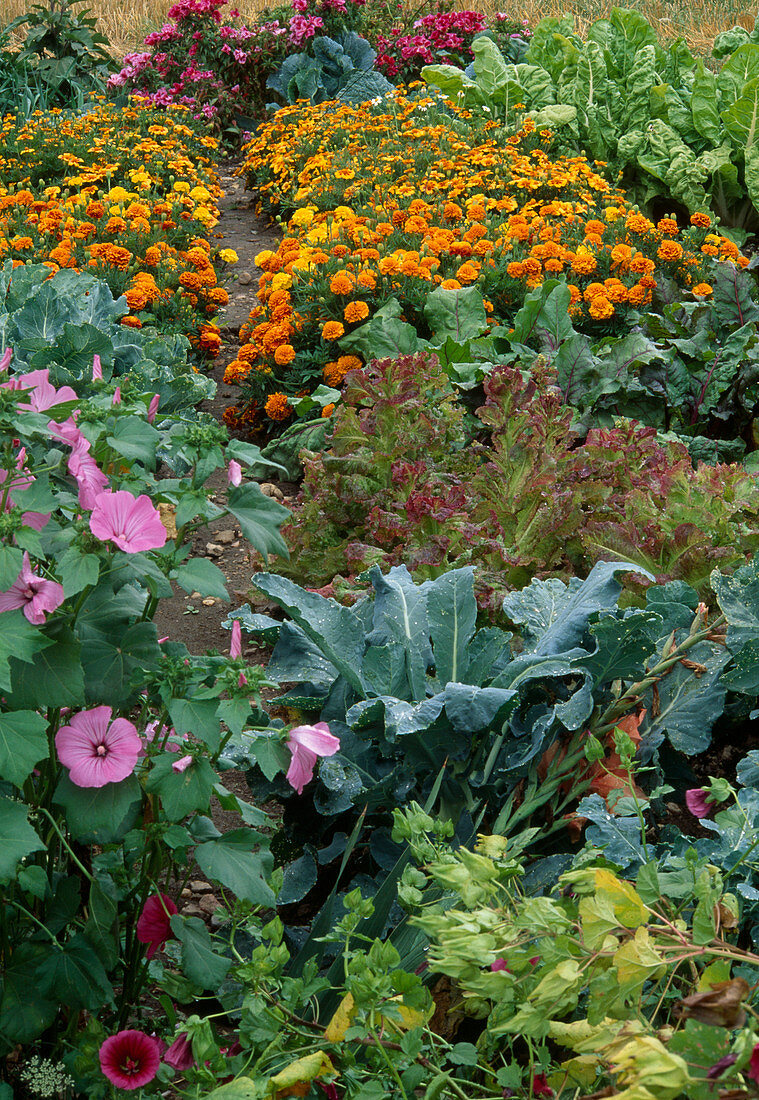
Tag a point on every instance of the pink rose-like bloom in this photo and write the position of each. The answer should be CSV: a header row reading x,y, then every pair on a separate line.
x,y
33,594
154,923
181,765
307,744
96,750
234,472
179,1054
132,523
697,801
130,1059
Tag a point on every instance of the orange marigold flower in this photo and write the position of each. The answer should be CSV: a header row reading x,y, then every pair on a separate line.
x,y
637,223
277,407
341,283
600,309
700,220
468,274
668,226
356,311
584,262
328,409
367,279
670,251
348,362
284,354
701,290
332,330
131,322
515,270
452,211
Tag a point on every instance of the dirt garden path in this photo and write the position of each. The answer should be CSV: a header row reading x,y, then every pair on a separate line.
x,y
186,618
190,618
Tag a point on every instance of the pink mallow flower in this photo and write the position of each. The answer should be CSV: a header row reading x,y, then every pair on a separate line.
x,y
154,923
182,764
32,594
234,472
132,523
307,744
179,1054
96,750
155,401
89,477
235,645
698,802
130,1059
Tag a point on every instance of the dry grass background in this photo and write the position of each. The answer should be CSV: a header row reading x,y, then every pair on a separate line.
x,y
126,22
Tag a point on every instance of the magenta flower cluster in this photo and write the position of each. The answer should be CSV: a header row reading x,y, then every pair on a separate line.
x,y
441,38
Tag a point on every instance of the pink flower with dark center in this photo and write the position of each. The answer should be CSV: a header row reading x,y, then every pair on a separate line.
x,y
234,472
154,923
96,750
33,594
235,645
132,523
182,764
697,801
129,1059
307,744
89,477
179,1054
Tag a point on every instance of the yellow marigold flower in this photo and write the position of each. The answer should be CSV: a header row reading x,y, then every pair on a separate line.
x,y
282,281
263,258
303,217
332,330
702,290
228,256
356,311
700,220
284,355
277,407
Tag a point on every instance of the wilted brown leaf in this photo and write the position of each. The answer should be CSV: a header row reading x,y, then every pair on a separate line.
x,y
719,1006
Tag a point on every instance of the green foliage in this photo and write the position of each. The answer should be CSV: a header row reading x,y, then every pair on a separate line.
x,y
333,68
63,53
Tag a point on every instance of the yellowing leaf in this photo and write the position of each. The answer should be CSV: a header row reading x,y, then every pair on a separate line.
x,y
584,1037
598,919
628,908
577,1072
637,962
560,987
341,1021
295,1079
644,1065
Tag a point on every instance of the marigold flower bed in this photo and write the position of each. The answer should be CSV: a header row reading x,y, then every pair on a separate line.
x,y
395,201
126,194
